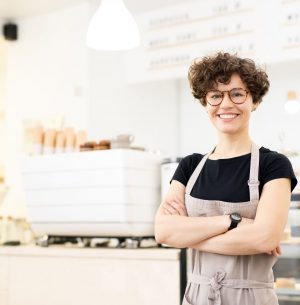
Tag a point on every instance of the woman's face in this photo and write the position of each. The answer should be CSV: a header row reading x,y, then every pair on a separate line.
x,y
228,117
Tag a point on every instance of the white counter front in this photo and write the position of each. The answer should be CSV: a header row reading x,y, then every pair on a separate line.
x,y
83,276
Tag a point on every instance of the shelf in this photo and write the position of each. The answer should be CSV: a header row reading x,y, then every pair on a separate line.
x,y
289,294
287,291
291,241
290,248
289,298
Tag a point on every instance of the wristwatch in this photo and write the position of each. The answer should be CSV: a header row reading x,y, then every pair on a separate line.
x,y
235,218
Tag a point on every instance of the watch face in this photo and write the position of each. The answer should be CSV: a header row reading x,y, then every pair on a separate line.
x,y
235,216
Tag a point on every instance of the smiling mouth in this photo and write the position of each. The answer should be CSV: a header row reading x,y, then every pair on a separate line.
x,y
228,116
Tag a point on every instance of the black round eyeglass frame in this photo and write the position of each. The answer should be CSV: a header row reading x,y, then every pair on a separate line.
x,y
228,91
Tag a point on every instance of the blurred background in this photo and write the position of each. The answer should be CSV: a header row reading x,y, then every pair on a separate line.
x,y
89,133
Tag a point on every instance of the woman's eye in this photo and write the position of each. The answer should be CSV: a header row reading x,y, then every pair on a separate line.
x,y
216,96
237,93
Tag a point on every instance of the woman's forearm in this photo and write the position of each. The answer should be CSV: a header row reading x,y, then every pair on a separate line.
x,y
182,231
245,240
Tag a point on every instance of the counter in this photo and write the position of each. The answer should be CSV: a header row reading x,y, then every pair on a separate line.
x,y
59,275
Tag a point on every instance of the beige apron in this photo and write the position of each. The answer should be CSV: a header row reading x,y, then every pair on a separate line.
x,y
227,279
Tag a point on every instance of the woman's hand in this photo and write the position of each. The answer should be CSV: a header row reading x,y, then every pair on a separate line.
x,y
276,251
174,206
245,221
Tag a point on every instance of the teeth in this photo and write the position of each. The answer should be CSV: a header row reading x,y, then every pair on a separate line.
x,y
228,116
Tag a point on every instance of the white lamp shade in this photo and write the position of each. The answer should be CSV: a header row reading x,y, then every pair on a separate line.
x,y
112,28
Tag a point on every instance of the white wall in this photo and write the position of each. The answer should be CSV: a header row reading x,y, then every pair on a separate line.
x,y
47,75
149,111
2,115
270,119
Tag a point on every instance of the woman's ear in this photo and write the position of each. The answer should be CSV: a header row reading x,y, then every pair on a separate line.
x,y
254,106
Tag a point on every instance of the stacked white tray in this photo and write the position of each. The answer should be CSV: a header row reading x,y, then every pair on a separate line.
x,y
99,193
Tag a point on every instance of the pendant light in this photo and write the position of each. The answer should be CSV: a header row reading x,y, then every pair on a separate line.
x,y
112,28
292,105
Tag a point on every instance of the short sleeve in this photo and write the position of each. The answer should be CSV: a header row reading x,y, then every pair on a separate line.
x,y
279,166
186,167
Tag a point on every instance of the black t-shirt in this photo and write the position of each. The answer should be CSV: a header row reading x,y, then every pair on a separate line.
x,y
226,179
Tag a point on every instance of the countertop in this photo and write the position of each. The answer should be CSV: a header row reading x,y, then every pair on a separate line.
x,y
73,251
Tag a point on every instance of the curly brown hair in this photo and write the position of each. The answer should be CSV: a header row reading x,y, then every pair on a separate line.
x,y
205,75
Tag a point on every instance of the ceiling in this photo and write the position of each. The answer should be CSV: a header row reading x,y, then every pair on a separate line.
x,y
14,9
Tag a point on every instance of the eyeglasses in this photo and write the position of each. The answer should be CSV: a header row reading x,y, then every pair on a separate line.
x,y
236,95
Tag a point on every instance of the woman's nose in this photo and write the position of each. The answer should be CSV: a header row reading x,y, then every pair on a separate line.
x,y
226,102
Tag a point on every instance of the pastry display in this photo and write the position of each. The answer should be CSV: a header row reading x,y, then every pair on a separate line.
x,y
68,140
285,282
105,143
88,146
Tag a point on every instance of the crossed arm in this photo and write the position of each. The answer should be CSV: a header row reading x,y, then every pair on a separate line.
x,y
210,234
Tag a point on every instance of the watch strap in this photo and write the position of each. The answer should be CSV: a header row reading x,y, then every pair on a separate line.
x,y
233,225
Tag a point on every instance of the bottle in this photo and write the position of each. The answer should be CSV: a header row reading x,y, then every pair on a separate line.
x,y
49,141
81,138
60,142
70,139
37,140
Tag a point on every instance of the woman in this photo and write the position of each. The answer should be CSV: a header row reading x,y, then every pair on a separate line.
x,y
231,205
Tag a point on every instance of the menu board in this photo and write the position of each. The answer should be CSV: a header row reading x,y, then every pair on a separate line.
x,y
290,29
172,37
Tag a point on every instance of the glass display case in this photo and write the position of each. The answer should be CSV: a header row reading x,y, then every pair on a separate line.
x,y
287,268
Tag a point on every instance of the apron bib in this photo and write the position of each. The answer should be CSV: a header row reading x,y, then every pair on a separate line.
x,y
217,279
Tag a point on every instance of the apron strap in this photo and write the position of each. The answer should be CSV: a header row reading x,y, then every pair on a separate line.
x,y
253,181
196,174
